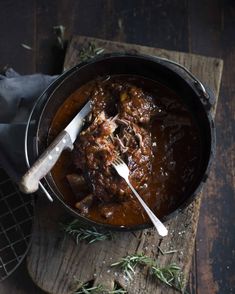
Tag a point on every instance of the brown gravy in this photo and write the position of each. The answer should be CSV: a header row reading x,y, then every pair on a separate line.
x,y
176,148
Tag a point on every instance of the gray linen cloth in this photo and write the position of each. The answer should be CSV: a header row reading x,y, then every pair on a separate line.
x,y
17,96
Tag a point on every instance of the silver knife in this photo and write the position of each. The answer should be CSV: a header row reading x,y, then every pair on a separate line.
x,y
30,181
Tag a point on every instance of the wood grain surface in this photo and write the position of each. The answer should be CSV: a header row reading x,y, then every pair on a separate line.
x,y
56,263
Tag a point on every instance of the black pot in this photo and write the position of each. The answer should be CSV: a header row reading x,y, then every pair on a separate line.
x,y
199,101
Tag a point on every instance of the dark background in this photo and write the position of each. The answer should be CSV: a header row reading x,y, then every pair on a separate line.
x,y
204,27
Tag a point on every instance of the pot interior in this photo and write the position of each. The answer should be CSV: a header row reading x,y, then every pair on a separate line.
x,y
147,67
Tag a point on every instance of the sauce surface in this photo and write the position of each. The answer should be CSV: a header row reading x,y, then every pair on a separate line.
x,y
175,144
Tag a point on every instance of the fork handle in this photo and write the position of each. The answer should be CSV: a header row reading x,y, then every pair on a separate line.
x,y
162,230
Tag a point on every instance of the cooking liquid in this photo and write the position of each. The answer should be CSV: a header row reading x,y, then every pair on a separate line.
x,y
176,147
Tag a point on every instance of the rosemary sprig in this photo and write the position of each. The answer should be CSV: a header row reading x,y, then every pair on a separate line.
x,y
167,252
166,274
85,289
117,291
170,275
90,235
128,263
89,51
99,289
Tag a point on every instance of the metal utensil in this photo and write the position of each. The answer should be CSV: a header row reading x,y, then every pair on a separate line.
x,y
123,170
30,181
16,219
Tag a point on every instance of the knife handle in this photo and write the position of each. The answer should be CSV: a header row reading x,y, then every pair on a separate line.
x,y
30,181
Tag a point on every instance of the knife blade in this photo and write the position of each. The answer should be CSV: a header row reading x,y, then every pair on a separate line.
x,y
74,127
29,183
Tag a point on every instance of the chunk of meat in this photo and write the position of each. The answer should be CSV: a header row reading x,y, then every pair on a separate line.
x,y
77,184
105,97
84,204
94,147
94,153
135,105
106,137
107,211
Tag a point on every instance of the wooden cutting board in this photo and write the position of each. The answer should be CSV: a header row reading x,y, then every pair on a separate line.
x,y
56,263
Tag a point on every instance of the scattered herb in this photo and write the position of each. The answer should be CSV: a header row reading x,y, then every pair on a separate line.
x,y
59,31
26,46
128,263
170,275
117,291
89,51
85,289
167,252
90,235
99,289
180,283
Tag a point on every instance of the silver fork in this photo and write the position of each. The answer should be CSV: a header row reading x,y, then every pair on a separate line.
x,y
123,170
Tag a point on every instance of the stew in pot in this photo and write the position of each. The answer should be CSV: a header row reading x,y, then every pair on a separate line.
x,y
149,127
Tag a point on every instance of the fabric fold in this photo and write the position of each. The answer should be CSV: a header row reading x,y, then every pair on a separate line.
x,y
17,97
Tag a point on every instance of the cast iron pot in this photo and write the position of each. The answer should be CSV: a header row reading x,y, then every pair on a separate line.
x,y
197,98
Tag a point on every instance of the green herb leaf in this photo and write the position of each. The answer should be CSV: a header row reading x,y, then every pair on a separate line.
x,y
89,52
167,252
128,263
99,289
170,275
85,289
75,230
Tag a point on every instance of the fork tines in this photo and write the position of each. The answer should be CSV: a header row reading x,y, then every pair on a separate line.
x,y
117,161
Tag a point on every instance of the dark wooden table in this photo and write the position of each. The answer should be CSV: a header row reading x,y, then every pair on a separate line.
x,y
204,27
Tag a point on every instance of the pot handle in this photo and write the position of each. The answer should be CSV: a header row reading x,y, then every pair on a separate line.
x,y
31,180
198,84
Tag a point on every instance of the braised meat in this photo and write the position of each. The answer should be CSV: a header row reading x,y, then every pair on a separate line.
x,y
150,128
123,134
135,105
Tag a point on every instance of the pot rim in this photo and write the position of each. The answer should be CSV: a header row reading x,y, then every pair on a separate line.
x,y
176,68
